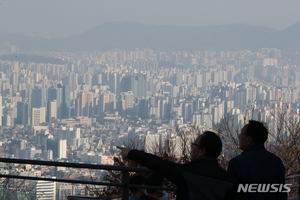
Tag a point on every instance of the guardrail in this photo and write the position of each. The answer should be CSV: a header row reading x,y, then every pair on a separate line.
x,y
125,174
124,181
298,185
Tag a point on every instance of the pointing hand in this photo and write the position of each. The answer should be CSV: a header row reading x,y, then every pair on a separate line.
x,y
124,151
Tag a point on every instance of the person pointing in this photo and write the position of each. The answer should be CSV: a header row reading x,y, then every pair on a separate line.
x,y
202,178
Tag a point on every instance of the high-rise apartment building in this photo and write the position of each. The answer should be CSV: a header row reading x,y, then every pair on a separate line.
x,y
51,110
1,110
63,101
84,104
139,86
45,190
114,83
22,112
135,83
39,98
62,148
38,115
71,135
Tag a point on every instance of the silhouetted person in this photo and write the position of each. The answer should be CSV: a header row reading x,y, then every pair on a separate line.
x,y
256,165
136,193
153,180
202,178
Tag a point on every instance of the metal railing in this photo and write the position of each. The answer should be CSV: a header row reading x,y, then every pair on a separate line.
x,y
298,185
125,174
124,181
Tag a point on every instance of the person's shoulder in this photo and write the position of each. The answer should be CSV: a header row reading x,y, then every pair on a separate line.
x,y
274,157
238,158
146,197
132,197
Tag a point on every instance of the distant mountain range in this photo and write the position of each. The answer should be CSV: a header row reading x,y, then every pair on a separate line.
x,y
32,58
129,36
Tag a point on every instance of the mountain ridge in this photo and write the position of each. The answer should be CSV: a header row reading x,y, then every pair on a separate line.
x,y
130,35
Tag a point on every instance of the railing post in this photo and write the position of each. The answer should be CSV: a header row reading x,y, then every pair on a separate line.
x,y
299,186
125,182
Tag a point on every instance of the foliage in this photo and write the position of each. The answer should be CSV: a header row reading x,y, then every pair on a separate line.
x,y
16,189
284,141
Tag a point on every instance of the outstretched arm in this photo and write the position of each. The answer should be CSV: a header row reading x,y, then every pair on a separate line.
x,y
170,170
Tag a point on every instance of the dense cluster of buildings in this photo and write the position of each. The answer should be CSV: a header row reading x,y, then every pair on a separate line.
x,y
78,110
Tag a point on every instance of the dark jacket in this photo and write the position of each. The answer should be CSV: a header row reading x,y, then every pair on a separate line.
x,y
257,165
199,179
146,197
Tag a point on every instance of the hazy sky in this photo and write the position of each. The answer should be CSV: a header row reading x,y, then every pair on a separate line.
x,y
58,18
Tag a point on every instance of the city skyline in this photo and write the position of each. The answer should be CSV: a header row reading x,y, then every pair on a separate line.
x,y
81,109
79,78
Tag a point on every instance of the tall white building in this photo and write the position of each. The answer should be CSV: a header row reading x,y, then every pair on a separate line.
x,y
38,115
1,110
62,149
199,80
45,190
52,110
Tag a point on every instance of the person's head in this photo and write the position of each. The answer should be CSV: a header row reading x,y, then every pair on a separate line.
x,y
207,144
252,133
154,180
137,180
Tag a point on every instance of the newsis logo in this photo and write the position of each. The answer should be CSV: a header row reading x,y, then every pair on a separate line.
x,y
259,188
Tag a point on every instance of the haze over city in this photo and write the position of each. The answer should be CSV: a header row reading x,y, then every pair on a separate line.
x,y
79,78
71,17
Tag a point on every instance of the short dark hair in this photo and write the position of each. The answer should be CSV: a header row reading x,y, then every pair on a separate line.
x,y
257,131
154,180
212,144
136,180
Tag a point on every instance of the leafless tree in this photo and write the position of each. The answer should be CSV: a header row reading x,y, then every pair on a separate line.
x,y
283,140
180,144
11,189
